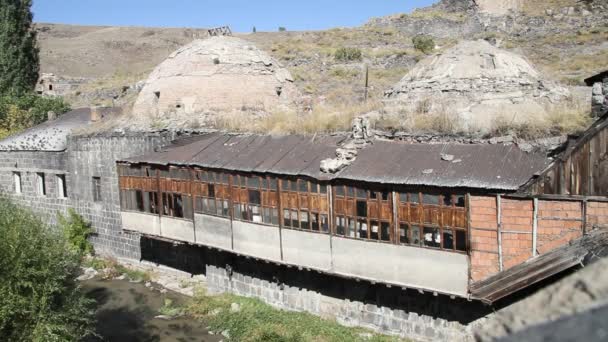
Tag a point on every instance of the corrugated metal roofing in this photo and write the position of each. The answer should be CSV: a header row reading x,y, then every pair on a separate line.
x,y
52,135
481,166
288,155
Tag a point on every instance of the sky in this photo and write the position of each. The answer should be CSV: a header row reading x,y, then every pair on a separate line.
x,y
240,15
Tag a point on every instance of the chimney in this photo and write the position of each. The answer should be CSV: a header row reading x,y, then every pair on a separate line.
x,y
51,115
95,114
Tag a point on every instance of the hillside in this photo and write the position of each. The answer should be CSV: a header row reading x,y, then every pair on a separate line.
x,y
566,40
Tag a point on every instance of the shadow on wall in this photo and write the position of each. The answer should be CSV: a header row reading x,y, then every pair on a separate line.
x,y
195,260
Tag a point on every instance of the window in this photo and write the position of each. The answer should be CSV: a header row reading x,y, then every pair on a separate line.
x,y
96,189
213,193
17,182
306,205
61,187
40,184
368,214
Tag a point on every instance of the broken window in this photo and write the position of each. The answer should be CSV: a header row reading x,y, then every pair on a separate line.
x,y
40,184
404,233
432,237
139,200
96,189
17,182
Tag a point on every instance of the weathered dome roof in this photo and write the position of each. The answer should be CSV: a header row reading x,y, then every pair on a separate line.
x,y
215,76
477,81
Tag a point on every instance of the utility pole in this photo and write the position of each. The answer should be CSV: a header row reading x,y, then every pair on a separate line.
x,y
366,81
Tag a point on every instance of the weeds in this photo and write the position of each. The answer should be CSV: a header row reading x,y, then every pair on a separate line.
x,y
347,54
169,309
248,320
76,231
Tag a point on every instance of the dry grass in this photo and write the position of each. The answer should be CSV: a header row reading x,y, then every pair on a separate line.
x,y
323,119
436,14
538,7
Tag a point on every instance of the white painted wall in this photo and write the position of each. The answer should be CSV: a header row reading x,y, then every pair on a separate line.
x,y
177,229
213,231
306,249
403,265
144,223
257,240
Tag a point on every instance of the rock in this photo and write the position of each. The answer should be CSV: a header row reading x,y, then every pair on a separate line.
x,y
122,277
226,333
597,89
598,99
88,274
427,171
234,307
163,317
333,165
447,157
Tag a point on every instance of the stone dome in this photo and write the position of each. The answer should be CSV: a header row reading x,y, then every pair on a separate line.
x,y
211,77
478,83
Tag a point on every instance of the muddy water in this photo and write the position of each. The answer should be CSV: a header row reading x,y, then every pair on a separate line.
x,y
127,311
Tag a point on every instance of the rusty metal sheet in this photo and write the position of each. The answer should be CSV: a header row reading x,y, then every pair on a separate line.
x,y
497,167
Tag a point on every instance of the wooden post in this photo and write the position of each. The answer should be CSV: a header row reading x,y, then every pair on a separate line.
x,y
535,227
396,224
499,230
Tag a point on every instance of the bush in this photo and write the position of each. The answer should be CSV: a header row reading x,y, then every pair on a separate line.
x,y
21,112
346,54
424,44
77,232
39,296
282,29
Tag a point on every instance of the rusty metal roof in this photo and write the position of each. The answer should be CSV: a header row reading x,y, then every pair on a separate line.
x,y
287,155
481,166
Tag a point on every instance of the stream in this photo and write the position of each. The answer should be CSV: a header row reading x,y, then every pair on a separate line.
x,y
126,312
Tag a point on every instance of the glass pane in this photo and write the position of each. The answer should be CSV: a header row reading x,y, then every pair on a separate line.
x,y
385,231
373,195
350,191
212,207
293,186
414,197
304,223
448,239
264,183
339,190
403,233
430,199
204,176
205,205
361,193
403,197
275,217
211,190
324,223
273,184
432,238
226,209
415,235
286,219
294,219
255,213
352,232
323,188
219,207
177,206
237,211
212,178
339,225
362,208
374,230
362,229
302,186
285,185
266,215
253,182
461,240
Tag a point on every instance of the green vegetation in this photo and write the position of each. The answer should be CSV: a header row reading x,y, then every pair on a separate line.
x,y
250,320
26,110
113,269
19,61
169,309
39,296
424,44
77,232
348,54
282,29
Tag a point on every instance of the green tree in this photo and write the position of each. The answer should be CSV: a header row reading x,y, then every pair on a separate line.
x,y
40,300
19,61
76,231
282,29
20,112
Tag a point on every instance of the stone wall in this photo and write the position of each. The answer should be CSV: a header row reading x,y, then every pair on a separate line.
x,y
392,310
599,99
85,158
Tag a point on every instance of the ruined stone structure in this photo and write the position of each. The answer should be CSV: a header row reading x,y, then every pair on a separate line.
x,y
476,84
213,77
599,99
51,85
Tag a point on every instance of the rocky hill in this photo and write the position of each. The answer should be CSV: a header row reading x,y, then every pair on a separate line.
x,y
566,40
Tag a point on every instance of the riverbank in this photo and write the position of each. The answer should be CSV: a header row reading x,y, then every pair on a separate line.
x,y
138,294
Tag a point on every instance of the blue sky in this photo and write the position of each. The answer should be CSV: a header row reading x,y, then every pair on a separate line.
x,y
241,15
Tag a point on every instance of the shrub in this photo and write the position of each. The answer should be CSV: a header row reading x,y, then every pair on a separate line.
x,y
77,232
39,297
347,54
282,29
424,44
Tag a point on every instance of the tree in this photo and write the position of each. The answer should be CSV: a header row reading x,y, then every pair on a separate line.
x,y
282,29
39,297
19,60
255,30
